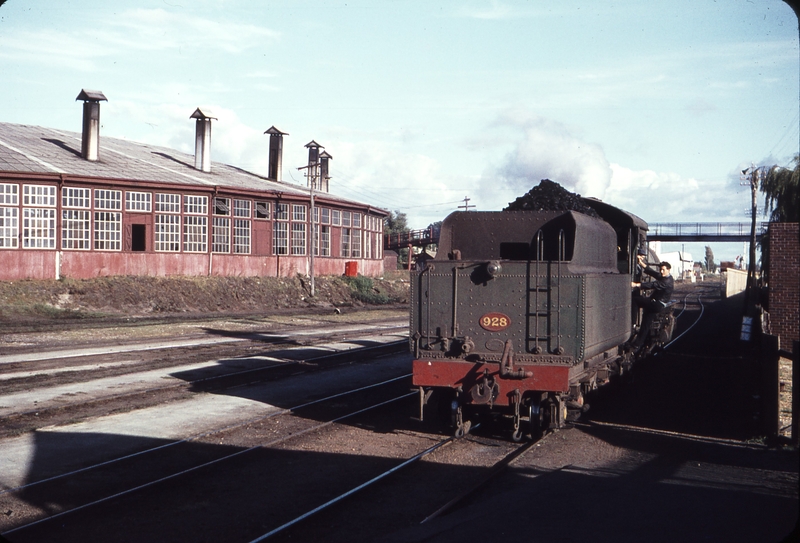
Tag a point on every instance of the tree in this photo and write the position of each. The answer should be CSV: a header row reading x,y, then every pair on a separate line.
x,y
395,223
709,263
781,194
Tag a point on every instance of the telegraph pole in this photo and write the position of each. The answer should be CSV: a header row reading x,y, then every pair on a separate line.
x,y
466,205
313,175
751,176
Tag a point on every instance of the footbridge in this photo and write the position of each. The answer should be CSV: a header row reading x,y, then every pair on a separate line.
x,y
660,231
704,231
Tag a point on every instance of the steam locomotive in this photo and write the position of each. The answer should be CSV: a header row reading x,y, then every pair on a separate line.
x,y
522,313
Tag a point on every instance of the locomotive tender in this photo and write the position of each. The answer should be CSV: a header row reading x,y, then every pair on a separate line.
x,y
523,312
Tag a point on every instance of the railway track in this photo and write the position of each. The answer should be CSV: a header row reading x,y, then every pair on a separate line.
x,y
62,386
350,436
288,458
289,424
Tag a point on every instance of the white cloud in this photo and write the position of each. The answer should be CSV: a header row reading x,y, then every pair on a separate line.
x,y
495,10
670,197
547,149
160,29
118,35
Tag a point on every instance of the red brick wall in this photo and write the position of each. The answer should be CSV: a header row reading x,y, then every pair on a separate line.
x,y
784,282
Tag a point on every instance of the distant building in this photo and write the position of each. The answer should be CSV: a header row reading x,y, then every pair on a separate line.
x,y
73,205
681,262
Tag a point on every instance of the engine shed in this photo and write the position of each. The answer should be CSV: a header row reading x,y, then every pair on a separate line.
x,y
73,205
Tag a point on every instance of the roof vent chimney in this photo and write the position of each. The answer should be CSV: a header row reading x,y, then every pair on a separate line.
x,y
313,164
202,140
275,153
324,157
90,140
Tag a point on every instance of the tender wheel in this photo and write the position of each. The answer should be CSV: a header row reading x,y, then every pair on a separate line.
x,y
535,419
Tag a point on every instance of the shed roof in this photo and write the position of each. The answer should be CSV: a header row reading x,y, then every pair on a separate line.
x,y
34,149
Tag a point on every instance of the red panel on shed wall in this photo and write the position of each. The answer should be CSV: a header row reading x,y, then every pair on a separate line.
x,y
39,264
21,264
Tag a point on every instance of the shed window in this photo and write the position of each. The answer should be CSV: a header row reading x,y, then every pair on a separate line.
x,y
355,243
221,235
75,197
168,203
280,238
39,195
107,230
75,229
222,206
107,199
345,242
38,228
9,194
262,210
9,227
168,233
281,212
241,208
138,201
195,233
298,238
195,205
241,236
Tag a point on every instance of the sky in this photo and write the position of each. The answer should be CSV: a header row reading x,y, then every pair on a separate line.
x,y
653,106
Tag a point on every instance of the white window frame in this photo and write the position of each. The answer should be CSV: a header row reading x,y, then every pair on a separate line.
x,y
138,202
76,229
38,228
220,234
241,236
324,240
76,197
298,213
241,208
222,206
167,233
265,212
168,203
346,242
195,205
280,238
9,227
281,212
9,194
299,243
107,230
195,233
355,243
39,195
107,199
